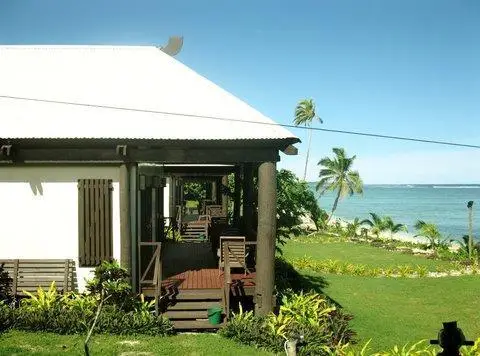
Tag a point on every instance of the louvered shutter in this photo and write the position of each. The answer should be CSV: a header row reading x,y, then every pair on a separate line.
x,y
94,221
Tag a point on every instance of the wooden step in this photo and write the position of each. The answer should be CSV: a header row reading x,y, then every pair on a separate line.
x,y
196,294
191,305
194,324
186,314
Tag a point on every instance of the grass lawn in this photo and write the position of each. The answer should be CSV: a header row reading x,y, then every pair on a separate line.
x,y
394,310
357,254
21,343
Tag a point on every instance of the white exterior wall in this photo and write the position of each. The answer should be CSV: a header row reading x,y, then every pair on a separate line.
x,y
39,212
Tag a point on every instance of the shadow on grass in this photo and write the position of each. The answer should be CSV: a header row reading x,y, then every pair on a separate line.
x,y
287,277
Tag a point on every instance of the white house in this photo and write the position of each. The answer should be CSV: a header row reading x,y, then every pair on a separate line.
x,y
78,122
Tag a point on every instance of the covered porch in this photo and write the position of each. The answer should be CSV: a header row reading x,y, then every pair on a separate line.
x,y
182,272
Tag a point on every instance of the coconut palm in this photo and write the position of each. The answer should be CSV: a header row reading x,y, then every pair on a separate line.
x,y
428,230
304,115
352,227
470,228
392,227
376,224
337,175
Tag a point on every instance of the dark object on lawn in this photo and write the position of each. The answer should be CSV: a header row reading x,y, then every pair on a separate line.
x,y
451,338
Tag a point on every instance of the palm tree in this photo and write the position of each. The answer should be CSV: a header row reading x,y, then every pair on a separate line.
x,y
376,224
428,230
392,227
304,115
470,228
337,174
352,227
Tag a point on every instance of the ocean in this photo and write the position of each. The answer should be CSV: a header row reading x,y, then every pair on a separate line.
x,y
444,205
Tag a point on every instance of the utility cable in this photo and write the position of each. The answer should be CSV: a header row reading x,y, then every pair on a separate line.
x,y
346,132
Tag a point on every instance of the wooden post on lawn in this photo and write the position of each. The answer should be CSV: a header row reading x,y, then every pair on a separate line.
x,y
265,269
248,199
125,232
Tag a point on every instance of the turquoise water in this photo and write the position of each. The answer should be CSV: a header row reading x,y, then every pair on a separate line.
x,y
444,205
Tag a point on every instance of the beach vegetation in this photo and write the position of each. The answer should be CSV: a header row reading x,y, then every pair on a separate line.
x,y
336,174
305,114
379,224
430,231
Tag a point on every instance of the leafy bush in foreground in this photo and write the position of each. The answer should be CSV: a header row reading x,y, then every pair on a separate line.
x,y
71,313
310,315
5,284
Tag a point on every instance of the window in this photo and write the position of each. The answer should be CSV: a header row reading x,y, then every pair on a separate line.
x,y
95,235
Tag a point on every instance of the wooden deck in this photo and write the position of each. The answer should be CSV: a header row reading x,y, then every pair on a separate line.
x,y
207,278
204,282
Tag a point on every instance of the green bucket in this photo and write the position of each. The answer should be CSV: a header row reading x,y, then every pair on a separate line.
x,y
215,315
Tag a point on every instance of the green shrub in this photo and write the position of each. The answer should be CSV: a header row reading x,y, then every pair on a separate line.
x,y
73,313
6,317
111,281
5,284
419,348
113,320
310,315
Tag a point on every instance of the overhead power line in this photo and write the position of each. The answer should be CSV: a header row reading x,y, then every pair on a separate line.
x,y
345,132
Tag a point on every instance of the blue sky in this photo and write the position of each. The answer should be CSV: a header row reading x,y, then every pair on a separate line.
x,y
409,68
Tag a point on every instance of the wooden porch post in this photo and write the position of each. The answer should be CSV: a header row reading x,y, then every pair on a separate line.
x,y
133,224
214,191
267,206
237,198
125,232
224,197
248,199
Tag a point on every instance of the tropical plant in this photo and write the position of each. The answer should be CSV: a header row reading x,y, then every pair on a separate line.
x,y
468,249
337,175
295,200
42,300
380,224
5,284
392,226
6,317
304,115
376,224
352,228
429,231
419,348
111,282
310,315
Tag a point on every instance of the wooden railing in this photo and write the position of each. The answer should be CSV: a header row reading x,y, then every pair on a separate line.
x,y
227,276
155,263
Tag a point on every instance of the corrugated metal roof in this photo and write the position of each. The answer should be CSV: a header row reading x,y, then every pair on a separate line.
x,y
119,92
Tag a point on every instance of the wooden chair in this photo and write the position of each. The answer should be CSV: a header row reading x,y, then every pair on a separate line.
x,y
214,211
237,253
206,218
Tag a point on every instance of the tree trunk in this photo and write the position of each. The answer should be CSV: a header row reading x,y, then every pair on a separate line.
x,y
308,153
334,207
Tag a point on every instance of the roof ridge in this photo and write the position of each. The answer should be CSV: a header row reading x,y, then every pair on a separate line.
x,y
96,46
